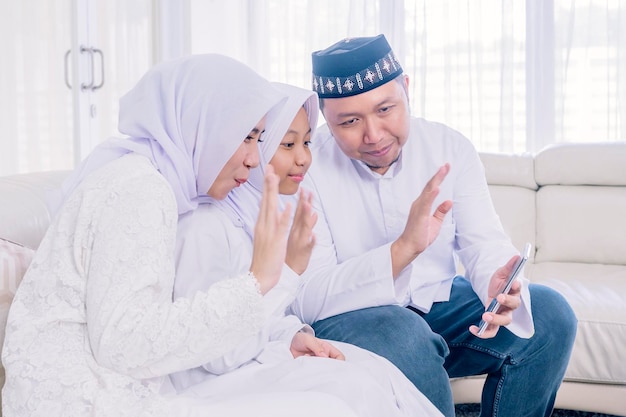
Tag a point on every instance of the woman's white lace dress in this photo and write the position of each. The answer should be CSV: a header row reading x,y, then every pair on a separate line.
x,y
93,329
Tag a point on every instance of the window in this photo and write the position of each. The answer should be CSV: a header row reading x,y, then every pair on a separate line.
x,y
513,76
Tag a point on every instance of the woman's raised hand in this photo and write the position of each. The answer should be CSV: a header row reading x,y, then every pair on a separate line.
x,y
301,238
270,235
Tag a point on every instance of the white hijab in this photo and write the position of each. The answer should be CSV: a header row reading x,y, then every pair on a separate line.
x,y
188,116
242,204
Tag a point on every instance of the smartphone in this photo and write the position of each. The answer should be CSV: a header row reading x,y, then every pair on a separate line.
x,y
495,305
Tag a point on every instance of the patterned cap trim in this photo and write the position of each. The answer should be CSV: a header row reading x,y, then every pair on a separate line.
x,y
385,69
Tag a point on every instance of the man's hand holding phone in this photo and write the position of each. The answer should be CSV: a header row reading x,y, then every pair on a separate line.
x,y
505,291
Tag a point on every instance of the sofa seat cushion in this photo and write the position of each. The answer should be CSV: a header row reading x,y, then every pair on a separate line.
x,y
596,293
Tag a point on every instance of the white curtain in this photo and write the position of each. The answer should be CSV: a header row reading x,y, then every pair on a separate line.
x,y
512,75
35,104
36,107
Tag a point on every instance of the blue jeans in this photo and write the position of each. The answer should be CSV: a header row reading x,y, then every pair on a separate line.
x,y
523,375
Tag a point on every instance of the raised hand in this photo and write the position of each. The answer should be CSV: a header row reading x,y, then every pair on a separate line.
x,y
422,227
270,235
301,238
304,344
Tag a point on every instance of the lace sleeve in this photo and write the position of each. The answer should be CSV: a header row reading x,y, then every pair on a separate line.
x,y
134,326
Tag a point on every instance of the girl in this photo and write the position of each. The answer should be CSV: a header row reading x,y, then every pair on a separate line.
x,y
216,241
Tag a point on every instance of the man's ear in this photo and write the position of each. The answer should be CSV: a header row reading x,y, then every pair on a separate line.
x,y
406,85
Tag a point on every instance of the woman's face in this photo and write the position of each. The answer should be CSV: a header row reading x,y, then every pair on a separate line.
x,y
237,169
293,156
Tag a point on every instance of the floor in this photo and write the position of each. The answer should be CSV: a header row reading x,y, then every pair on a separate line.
x,y
472,410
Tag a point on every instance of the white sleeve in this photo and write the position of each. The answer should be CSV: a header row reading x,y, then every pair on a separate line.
x,y
483,244
134,326
211,249
331,288
276,329
277,300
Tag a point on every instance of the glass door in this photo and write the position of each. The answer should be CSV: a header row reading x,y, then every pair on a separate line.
x,y
65,64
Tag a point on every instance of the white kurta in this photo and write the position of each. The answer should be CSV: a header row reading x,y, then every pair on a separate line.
x,y
361,213
211,246
93,331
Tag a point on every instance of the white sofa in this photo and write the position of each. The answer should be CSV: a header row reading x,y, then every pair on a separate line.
x,y
568,200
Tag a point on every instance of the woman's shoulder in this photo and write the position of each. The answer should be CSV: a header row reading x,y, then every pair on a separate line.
x,y
128,168
129,173
130,179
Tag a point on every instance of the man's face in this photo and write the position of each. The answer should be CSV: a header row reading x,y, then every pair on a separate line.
x,y
373,126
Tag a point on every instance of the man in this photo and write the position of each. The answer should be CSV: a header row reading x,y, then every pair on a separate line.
x,y
383,274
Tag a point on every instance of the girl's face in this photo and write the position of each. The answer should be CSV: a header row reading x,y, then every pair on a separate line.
x,y
237,169
293,156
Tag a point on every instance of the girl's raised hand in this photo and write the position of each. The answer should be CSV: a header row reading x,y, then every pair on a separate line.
x,y
301,238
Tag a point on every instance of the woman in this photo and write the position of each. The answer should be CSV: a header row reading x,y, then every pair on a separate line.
x,y
93,329
216,241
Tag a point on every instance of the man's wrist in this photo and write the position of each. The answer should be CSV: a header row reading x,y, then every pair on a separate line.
x,y
401,256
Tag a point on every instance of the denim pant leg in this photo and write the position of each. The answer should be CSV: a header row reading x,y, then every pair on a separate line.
x,y
405,339
523,374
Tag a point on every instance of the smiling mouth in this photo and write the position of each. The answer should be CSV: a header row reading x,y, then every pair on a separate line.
x,y
379,152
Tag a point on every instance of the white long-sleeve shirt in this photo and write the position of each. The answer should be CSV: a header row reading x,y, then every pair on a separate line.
x,y
211,247
361,213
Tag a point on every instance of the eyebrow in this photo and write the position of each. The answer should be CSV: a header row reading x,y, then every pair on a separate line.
x,y
291,131
386,100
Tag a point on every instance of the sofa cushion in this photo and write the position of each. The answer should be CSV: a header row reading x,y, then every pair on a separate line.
x,y
14,261
582,164
581,224
26,219
596,293
513,170
516,208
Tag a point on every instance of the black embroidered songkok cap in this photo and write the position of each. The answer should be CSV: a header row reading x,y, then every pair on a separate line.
x,y
353,66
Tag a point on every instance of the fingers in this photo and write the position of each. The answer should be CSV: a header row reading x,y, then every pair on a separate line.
x,y
329,351
504,316
316,347
304,216
270,235
512,300
438,178
489,332
495,321
430,192
432,186
284,220
269,203
442,210
300,205
335,353
304,220
511,263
